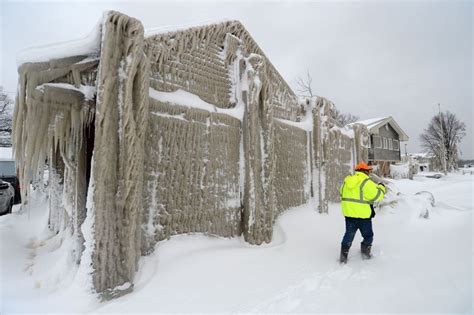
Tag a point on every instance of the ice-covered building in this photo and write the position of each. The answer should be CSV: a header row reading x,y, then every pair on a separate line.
x,y
149,135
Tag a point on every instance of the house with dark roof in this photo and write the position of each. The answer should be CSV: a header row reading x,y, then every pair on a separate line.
x,y
385,136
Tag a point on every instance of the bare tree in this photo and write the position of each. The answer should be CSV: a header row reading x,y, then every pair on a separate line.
x,y
305,85
345,118
6,112
444,130
305,89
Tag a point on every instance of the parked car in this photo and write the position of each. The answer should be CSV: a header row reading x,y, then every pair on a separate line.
x,y
437,176
8,174
7,194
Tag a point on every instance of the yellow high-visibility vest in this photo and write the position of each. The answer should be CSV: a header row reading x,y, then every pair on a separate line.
x,y
358,192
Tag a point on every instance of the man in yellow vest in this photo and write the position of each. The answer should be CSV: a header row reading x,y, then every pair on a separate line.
x,y
358,194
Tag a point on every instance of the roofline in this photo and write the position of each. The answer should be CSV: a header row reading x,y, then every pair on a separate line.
x,y
393,123
180,29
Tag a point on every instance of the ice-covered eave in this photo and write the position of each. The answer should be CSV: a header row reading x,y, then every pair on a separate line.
x,y
89,92
173,29
370,123
347,131
424,155
305,124
87,46
184,98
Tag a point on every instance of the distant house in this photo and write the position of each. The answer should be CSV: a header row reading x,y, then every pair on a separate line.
x,y
424,162
385,136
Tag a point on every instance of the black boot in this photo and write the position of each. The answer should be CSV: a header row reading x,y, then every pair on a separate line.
x,y
365,250
344,254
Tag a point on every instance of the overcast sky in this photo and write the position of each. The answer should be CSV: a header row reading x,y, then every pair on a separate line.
x,y
371,58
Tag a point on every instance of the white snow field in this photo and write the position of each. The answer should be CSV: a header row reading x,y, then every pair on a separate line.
x,y
420,265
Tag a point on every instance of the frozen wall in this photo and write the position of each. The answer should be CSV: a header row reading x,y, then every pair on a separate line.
x,y
192,60
192,173
223,66
121,123
53,114
292,175
208,61
337,149
337,162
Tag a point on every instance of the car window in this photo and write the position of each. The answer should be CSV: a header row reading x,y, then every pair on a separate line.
x,y
7,168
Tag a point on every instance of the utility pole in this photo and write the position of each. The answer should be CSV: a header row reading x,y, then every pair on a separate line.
x,y
443,148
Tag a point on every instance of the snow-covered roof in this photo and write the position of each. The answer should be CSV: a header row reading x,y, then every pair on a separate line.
x,y
369,123
183,27
190,100
90,44
374,124
86,46
421,155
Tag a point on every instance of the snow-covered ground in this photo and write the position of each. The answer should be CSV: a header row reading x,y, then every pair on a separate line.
x,y
420,265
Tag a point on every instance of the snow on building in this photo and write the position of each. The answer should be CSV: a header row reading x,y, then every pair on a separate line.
x,y
175,131
424,162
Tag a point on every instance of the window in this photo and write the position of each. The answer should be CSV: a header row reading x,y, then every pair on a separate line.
x,y
390,144
7,168
377,142
396,145
385,143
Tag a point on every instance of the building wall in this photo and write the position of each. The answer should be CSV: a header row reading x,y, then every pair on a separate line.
x,y
335,150
222,65
192,173
194,66
116,194
292,177
49,132
207,61
338,163
381,154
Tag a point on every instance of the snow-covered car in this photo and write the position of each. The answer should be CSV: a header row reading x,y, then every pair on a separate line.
x,y
8,174
7,193
15,182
